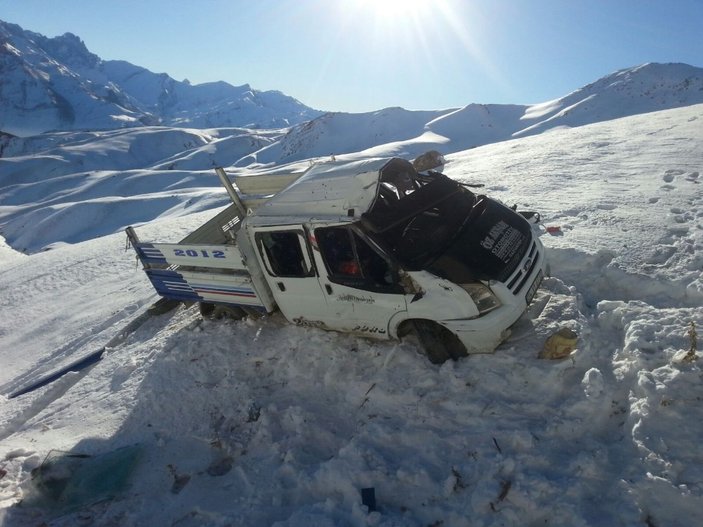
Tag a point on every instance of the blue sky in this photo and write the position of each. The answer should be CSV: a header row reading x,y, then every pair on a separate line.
x,y
363,55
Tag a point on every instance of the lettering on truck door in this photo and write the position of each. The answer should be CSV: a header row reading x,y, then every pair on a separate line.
x,y
358,283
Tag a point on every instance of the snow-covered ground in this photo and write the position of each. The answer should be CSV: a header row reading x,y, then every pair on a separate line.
x,y
257,422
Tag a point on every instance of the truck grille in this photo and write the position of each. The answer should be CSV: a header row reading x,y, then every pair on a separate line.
x,y
525,270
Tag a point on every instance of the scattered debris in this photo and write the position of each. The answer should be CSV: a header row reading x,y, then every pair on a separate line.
x,y
84,363
220,466
458,480
366,399
368,498
504,489
693,337
179,480
495,442
68,481
429,160
253,414
559,345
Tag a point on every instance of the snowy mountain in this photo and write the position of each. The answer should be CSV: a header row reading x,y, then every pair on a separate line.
x,y
57,84
258,422
632,91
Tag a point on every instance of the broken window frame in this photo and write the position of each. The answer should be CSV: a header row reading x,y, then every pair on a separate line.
x,y
272,261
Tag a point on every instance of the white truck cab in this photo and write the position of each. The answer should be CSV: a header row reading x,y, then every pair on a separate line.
x,y
370,247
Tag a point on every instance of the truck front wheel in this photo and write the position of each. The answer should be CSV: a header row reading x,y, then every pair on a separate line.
x,y
439,343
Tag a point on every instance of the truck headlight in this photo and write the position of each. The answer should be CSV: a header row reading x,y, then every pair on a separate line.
x,y
483,297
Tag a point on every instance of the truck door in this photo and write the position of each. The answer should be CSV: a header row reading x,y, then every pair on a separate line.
x,y
358,282
286,258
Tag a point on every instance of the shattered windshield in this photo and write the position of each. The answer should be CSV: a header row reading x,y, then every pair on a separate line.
x,y
419,221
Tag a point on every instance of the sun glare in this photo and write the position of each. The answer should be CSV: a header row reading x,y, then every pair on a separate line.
x,y
395,8
413,39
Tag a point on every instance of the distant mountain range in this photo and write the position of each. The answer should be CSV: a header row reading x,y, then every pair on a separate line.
x,y
57,84
642,89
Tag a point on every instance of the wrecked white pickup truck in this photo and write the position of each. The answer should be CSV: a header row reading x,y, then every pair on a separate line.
x,y
371,247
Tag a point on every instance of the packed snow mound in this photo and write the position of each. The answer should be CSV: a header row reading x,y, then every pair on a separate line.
x,y
258,422
57,84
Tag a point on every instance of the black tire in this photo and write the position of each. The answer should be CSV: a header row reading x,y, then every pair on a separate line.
x,y
439,343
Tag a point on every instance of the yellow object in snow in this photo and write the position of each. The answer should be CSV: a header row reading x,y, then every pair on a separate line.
x,y
560,345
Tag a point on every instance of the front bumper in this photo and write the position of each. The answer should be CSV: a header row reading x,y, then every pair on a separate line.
x,y
484,334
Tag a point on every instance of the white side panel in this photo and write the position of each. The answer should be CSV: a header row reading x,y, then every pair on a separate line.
x,y
264,184
223,288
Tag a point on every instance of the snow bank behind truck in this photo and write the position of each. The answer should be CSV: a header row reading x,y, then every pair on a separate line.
x,y
371,247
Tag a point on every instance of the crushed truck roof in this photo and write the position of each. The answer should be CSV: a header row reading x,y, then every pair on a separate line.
x,y
332,190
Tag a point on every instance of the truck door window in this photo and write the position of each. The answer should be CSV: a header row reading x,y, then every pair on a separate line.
x,y
338,252
351,261
283,254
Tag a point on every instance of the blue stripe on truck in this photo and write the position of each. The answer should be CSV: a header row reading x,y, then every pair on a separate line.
x,y
224,290
150,254
170,284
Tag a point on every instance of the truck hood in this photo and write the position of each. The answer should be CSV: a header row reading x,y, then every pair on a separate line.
x,y
489,246
447,230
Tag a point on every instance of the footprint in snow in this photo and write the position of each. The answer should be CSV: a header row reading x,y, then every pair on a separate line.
x,y
678,231
661,254
693,177
606,206
669,174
